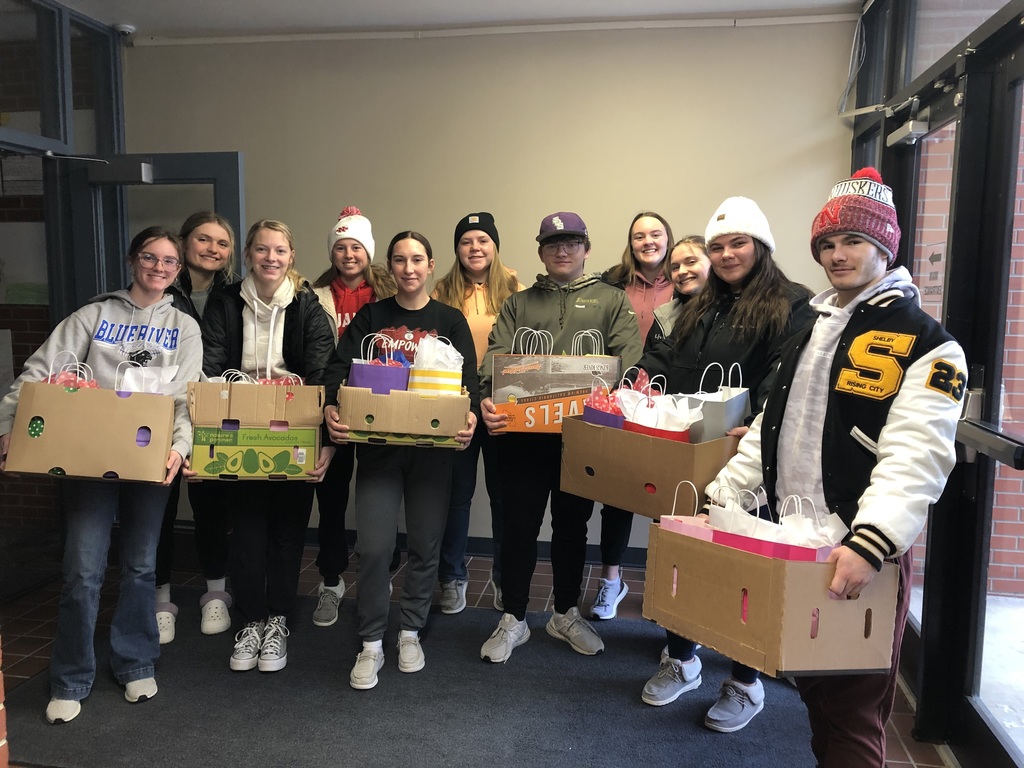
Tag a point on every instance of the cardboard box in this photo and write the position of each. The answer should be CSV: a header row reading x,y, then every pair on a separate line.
x,y
402,418
91,433
255,431
636,472
772,615
539,391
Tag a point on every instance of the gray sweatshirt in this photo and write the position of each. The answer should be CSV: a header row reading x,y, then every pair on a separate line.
x,y
110,329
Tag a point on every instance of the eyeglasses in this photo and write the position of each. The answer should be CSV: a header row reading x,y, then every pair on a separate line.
x,y
151,261
570,247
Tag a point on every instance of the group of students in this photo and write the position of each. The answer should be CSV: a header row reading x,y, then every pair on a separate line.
x,y
669,307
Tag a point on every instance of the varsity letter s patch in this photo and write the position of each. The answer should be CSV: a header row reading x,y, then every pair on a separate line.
x,y
945,378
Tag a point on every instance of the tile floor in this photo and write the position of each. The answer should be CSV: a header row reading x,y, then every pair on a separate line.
x,y
27,628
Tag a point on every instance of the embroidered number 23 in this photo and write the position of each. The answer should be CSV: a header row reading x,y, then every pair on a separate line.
x,y
876,373
945,378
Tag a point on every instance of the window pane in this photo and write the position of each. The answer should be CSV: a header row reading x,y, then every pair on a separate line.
x,y
1002,671
28,69
941,24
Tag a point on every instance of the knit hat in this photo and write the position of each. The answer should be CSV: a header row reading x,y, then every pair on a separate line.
x,y
741,216
353,225
562,223
472,221
863,205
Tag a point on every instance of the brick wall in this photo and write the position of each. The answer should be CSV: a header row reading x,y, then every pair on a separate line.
x,y
19,75
26,501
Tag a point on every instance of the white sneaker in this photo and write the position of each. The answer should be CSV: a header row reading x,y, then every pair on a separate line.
x,y
410,654
216,618
166,615
576,631
62,711
609,595
510,634
364,673
138,691
274,647
453,596
247,646
672,680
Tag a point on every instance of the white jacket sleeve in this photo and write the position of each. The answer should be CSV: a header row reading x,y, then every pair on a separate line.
x,y
743,472
915,454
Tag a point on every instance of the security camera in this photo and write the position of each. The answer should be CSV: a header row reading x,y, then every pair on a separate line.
x,y
125,30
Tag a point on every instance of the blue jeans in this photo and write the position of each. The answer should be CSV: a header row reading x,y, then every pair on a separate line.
x,y
456,532
91,507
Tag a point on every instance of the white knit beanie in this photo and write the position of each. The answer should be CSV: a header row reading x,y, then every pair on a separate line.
x,y
740,215
353,225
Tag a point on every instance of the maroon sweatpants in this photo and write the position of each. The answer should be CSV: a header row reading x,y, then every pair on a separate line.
x,y
848,713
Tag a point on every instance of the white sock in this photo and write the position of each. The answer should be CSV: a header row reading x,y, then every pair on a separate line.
x,y
409,633
373,645
339,590
163,593
216,585
616,582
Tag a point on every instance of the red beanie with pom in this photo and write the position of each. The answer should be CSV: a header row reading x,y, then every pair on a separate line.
x,y
862,204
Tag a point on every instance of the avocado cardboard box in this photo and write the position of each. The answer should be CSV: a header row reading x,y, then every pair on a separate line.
x,y
255,431
637,472
402,418
91,433
539,391
770,614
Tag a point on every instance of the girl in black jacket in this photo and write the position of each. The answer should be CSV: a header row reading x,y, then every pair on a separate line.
x,y
208,243
269,326
745,313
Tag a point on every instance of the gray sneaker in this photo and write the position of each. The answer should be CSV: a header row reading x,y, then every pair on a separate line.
x,y
453,596
576,631
247,646
326,612
672,680
606,602
499,604
510,634
737,705
274,649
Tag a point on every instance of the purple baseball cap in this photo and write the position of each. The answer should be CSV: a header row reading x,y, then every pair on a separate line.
x,y
562,223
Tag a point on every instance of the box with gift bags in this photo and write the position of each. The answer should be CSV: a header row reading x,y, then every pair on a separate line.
x,y
58,419
539,389
638,466
427,407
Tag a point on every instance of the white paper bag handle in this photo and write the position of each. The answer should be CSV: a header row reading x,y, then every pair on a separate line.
x,y
530,341
371,340
696,497
658,382
596,342
738,492
791,505
81,370
235,376
739,375
119,373
700,387
625,383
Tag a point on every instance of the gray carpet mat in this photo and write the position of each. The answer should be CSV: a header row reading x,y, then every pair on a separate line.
x,y
547,706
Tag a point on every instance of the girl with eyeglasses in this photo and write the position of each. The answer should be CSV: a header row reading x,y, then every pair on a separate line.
x,y
156,335
269,326
208,242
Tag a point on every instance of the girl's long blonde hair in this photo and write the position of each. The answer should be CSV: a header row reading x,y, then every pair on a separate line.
x,y
455,287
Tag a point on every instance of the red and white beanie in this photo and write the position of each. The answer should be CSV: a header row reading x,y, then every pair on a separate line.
x,y
863,205
352,224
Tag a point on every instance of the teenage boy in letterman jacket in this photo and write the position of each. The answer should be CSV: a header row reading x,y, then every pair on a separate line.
x,y
862,419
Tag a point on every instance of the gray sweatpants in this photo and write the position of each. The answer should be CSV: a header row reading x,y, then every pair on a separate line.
x,y
384,476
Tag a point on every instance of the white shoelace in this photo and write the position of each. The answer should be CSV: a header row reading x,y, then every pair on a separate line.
x,y
272,637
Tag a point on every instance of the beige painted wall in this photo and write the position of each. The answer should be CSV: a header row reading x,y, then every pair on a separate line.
x,y
418,132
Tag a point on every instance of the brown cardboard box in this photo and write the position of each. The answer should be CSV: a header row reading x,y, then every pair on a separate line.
x,y
539,391
255,431
91,433
772,615
402,418
636,472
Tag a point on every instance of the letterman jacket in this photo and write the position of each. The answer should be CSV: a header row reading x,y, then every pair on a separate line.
x,y
895,387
